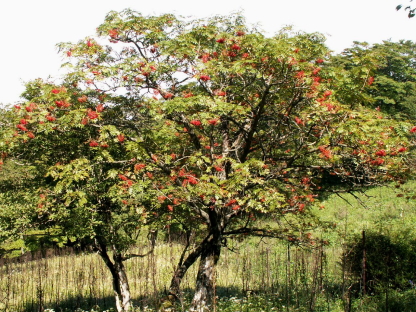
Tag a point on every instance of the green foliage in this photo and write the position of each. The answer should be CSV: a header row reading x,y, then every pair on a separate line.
x,y
219,115
388,261
391,75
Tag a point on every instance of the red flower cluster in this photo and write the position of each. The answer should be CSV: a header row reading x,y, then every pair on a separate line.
x,y
195,122
50,118
324,152
31,107
188,95
120,138
299,121
316,71
205,57
221,40
168,96
94,143
113,33
82,99
99,108
377,162
63,104
413,130
138,167
123,177
191,180
300,74
218,168
327,93
231,202
381,153
92,114
22,127
205,77
213,122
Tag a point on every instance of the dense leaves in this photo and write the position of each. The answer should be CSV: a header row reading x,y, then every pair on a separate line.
x,y
390,77
385,262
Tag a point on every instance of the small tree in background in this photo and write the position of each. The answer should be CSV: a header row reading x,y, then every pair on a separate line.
x,y
206,123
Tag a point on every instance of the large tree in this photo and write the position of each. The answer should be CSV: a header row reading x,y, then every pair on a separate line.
x,y
206,123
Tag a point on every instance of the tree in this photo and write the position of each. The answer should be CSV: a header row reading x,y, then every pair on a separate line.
x,y
76,185
393,79
15,213
206,123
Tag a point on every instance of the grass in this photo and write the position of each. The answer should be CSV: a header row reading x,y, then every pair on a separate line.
x,y
255,275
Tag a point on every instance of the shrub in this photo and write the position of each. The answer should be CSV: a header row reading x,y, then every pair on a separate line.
x,y
388,262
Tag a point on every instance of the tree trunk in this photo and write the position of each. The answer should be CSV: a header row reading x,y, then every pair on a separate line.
x,y
121,288
120,282
184,265
205,282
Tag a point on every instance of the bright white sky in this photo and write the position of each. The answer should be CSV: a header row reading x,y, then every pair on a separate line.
x,y
31,29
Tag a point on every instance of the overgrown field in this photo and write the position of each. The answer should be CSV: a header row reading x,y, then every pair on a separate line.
x,y
253,275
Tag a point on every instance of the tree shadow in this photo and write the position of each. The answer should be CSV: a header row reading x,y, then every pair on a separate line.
x,y
152,301
70,304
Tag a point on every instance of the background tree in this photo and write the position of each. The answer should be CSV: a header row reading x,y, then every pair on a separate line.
x,y
390,78
77,157
207,123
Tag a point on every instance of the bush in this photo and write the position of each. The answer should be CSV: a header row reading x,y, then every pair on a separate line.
x,y
389,263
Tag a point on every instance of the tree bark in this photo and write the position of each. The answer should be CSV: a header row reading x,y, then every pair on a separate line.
x,y
205,282
182,268
121,286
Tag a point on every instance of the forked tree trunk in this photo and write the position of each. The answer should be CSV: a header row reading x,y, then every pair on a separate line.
x,y
120,282
205,282
182,268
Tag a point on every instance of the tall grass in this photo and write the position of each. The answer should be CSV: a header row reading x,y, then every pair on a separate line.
x,y
70,281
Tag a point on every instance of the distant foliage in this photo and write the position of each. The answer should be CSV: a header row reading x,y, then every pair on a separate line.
x,y
388,262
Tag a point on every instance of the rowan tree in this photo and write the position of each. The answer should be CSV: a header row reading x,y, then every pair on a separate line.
x,y
208,123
